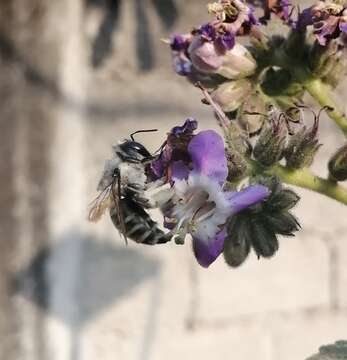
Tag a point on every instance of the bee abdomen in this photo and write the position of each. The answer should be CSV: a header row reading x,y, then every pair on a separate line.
x,y
138,225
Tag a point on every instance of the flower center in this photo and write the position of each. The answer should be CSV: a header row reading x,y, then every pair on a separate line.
x,y
191,209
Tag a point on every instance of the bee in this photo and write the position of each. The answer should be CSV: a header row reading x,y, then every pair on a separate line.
x,y
122,191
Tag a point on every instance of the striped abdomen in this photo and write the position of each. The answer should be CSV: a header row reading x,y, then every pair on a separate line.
x,y
138,224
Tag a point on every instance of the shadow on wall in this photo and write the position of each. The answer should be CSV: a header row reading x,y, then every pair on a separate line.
x,y
166,10
81,276
86,276
103,111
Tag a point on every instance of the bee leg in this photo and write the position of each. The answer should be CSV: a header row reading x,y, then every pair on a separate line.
x,y
135,188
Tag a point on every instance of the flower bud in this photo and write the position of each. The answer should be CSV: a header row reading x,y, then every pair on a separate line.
x,y
232,94
302,147
204,55
210,53
237,63
237,244
252,115
258,226
338,164
328,63
237,139
282,200
337,351
271,142
237,165
320,56
238,148
264,240
283,223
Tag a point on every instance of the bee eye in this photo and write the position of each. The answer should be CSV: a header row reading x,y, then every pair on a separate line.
x,y
116,173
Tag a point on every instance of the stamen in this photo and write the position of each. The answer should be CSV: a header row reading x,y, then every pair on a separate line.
x,y
206,215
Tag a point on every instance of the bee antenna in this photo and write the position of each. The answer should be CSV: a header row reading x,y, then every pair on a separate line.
x,y
141,131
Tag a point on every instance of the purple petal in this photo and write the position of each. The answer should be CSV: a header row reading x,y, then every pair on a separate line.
x,y
180,42
159,166
343,26
208,155
207,252
305,19
284,6
251,16
207,31
225,42
247,197
187,128
181,65
179,170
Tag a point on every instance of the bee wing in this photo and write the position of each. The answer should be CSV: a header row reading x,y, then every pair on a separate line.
x,y
118,212
99,205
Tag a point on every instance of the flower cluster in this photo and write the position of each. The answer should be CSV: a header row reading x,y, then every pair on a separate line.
x,y
226,190
212,55
267,70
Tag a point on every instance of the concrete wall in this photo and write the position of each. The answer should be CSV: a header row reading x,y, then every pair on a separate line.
x,y
76,76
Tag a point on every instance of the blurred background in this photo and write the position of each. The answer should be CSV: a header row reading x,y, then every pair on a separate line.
x,y
75,77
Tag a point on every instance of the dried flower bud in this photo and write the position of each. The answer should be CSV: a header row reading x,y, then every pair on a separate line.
x,y
213,57
338,164
232,94
204,55
328,63
302,147
252,117
271,143
235,15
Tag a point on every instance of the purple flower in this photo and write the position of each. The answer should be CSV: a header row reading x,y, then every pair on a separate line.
x,y
189,126
179,46
206,50
343,22
200,206
174,149
179,42
328,19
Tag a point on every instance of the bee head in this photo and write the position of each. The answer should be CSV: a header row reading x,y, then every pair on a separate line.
x,y
133,151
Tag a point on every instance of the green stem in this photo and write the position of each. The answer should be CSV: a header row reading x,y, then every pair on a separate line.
x,y
321,93
305,179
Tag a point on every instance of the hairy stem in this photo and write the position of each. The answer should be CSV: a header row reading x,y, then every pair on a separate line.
x,y
315,87
305,179
321,93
